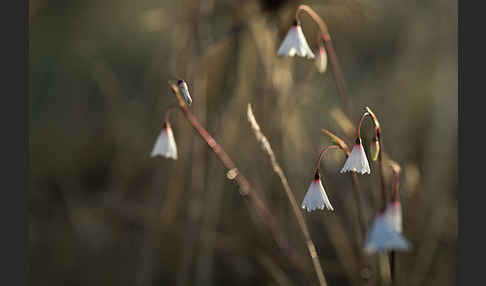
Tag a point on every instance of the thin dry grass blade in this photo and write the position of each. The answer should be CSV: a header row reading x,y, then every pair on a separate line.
x,y
300,218
337,140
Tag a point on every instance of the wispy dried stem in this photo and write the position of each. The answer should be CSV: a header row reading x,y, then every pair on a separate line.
x,y
337,140
252,197
298,214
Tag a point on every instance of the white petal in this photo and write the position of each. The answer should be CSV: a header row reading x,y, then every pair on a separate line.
x,y
303,47
287,43
316,197
383,237
165,145
295,43
357,161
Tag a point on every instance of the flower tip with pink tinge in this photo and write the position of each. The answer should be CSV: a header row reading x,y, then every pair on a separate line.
x,y
165,145
295,43
357,161
316,197
185,91
383,237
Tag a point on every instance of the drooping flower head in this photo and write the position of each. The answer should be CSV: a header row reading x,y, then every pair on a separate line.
x,y
357,161
321,59
316,197
185,91
165,145
383,237
295,43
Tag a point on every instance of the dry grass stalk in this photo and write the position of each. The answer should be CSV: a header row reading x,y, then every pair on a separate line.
x,y
266,217
298,214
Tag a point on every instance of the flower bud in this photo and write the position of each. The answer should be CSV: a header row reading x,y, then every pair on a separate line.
x,y
375,149
321,59
185,91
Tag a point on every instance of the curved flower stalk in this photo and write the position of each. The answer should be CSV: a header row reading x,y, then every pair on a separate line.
x,y
165,144
325,37
378,149
295,43
376,141
357,160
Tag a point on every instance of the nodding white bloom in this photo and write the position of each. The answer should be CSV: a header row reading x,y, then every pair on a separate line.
x,y
316,197
393,214
383,237
321,60
357,161
295,44
165,145
185,91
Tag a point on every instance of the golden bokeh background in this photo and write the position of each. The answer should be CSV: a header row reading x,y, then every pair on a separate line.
x,y
102,212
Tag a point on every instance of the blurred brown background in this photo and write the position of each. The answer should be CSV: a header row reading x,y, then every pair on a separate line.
x,y
102,212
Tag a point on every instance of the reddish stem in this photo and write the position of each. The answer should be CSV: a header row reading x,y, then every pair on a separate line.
x,y
245,190
360,122
321,154
336,68
167,115
395,198
377,135
396,184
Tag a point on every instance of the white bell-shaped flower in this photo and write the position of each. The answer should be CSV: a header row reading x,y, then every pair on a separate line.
x,y
165,145
185,91
295,43
357,161
316,197
383,237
